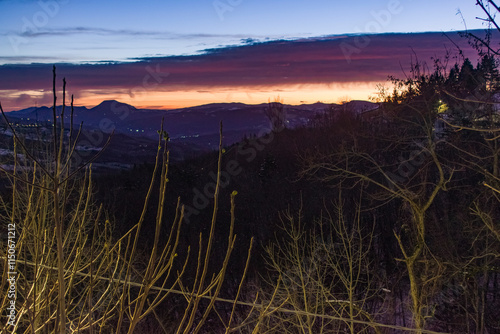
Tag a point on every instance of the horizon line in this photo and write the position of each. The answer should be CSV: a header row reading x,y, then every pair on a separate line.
x,y
192,106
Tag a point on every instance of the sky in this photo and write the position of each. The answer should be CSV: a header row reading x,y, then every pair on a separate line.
x,y
170,54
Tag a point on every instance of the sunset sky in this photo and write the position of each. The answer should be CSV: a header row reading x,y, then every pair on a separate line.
x,y
169,54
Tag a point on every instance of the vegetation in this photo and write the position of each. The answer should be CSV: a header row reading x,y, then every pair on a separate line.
x,y
380,222
73,275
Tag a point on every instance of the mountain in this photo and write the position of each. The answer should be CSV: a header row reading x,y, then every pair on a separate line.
x,y
197,125
112,105
43,114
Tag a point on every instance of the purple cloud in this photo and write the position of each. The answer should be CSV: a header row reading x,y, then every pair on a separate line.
x,y
325,60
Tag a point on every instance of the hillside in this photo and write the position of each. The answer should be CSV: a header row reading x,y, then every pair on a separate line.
x,y
193,124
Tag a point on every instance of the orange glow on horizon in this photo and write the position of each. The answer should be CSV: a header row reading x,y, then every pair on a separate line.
x,y
182,97
294,95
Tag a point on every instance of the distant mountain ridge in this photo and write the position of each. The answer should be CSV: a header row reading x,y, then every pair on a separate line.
x,y
198,124
193,130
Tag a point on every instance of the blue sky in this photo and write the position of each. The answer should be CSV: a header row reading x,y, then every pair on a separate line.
x,y
170,54
74,30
